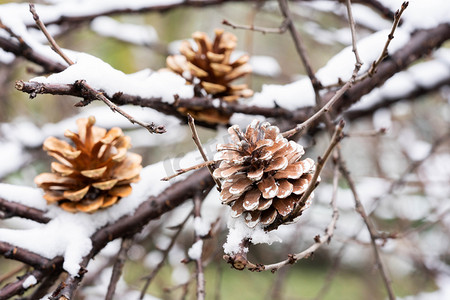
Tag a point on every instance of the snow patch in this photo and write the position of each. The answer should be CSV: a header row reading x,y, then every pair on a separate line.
x,y
29,282
162,85
195,252
238,231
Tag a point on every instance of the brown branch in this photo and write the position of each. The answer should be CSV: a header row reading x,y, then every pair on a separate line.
x,y
421,43
13,209
198,143
118,267
387,100
93,94
282,29
17,288
149,210
32,259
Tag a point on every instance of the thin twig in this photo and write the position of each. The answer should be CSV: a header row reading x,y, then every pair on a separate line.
x,y
196,167
50,39
373,234
118,267
353,31
198,143
201,293
335,139
300,47
282,29
369,133
151,127
94,94
384,52
165,252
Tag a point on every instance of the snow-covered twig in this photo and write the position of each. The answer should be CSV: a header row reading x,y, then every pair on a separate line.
x,y
90,93
14,209
19,286
32,259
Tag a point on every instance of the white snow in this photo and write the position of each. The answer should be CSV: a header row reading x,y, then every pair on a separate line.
x,y
23,194
238,231
195,252
421,14
201,227
11,157
290,96
132,33
29,282
153,258
69,234
265,65
158,85
6,57
382,119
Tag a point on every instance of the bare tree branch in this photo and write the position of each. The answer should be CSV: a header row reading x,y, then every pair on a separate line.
x,y
13,209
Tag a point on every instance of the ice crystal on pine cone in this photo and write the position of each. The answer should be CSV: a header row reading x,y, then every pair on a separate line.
x,y
93,174
264,176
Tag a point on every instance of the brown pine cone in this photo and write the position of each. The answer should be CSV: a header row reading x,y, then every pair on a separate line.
x,y
264,177
211,64
94,174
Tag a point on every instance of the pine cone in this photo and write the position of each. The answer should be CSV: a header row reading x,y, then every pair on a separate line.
x,y
211,64
94,174
264,176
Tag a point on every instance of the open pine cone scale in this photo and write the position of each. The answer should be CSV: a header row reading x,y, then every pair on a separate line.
x,y
264,178
94,174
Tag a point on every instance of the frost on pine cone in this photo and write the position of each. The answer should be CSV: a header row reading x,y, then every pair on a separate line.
x,y
211,64
94,174
264,176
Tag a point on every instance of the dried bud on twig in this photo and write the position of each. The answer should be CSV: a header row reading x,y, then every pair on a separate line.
x,y
264,176
94,174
